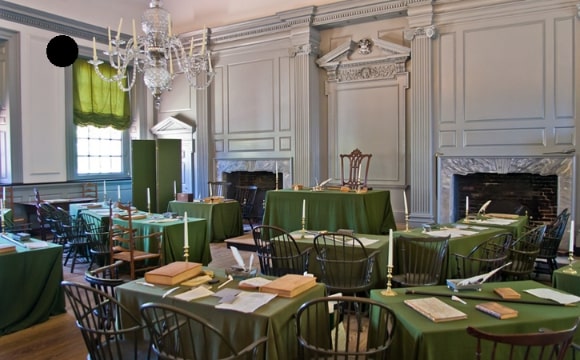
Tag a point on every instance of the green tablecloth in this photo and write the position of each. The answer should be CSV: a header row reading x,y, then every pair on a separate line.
x,y
173,238
224,220
275,319
569,282
30,282
418,338
7,217
365,213
517,227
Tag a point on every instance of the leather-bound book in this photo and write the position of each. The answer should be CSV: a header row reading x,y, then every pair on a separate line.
x,y
173,273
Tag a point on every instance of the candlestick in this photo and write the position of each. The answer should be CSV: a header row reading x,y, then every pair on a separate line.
x,y
119,193
569,269
389,291
390,261
407,223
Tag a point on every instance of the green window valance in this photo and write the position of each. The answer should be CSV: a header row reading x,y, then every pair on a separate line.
x,y
97,102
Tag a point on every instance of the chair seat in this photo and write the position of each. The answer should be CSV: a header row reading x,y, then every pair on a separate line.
x,y
137,255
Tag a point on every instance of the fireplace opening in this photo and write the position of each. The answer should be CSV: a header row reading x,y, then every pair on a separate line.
x,y
513,193
264,180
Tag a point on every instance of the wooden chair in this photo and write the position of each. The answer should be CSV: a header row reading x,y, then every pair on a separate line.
x,y
246,195
90,190
72,233
522,346
105,279
421,260
98,244
278,252
486,256
218,188
344,327
346,266
546,261
123,243
355,168
95,313
523,254
179,334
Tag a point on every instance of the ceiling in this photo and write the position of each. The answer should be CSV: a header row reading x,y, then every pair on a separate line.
x,y
186,15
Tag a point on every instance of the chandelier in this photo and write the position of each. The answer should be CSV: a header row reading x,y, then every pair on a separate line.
x,y
153,54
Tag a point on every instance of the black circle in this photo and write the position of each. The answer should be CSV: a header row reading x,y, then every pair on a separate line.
x,y
62,51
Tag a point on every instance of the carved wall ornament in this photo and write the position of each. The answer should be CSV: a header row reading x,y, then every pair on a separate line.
x,y
386,65
365,46
429,31
303,49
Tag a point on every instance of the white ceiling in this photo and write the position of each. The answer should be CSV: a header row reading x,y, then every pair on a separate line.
x,y
186,15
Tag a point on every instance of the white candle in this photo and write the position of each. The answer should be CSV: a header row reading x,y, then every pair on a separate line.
x,y
2,210
467,204
170,64
169,25
148,197
119,30
203,40
134,36
191,47
174,187
105,189
276,172
94,49
304,208
4,193
185,236
390,261
110,46
572,236
405,201
119,192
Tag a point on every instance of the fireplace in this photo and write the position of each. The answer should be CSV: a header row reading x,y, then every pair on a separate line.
x,y
452,205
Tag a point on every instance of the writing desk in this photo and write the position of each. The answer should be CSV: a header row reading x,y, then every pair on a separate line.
x,y
30,282
365,213
173,237
274,320
418,338
567,282
224,220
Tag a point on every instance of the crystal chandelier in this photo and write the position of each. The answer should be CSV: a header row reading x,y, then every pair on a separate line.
x,y
153,55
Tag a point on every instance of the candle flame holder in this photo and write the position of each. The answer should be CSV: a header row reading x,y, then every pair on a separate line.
x,y
407,222
303,231
186,253
389,291
569,269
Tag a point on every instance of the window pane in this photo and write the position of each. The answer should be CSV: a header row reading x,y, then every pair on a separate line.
x,y
99,150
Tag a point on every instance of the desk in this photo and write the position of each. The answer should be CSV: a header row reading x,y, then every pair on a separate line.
x,y
567,282
365,213
418,338
275,319
224,220
517,227
173,238
30,282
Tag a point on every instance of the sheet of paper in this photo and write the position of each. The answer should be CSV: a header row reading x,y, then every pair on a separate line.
x,y
366,241
195,293
255,282
554,295
453,232
248,302
36,244
493,221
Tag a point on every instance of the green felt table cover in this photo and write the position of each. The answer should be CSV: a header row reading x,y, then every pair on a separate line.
x,y
274,320
224,220
517,228
365,213
173,238
30,282
418,338
564,280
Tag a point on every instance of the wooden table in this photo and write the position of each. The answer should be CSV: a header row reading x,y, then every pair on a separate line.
x,y
564,280
418,338
224,220
365,213
30,282
274,320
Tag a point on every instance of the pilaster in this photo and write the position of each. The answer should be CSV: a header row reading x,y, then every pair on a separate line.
x,y
201,169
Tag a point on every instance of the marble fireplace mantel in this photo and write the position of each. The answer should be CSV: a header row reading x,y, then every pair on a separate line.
x,y
562,165
231,165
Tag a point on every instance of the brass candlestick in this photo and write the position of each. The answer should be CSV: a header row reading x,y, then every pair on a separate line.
x,y
149,208
388,291
407,222
303,231
3,223
186,253
569,269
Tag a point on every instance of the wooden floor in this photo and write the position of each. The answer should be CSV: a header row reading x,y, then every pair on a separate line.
x,y
58,338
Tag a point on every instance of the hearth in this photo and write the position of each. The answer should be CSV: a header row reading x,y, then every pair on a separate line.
x,y
557,168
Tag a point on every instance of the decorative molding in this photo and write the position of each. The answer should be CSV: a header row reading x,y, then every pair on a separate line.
x,y
172,125
429,31
384,67
365,46
303,49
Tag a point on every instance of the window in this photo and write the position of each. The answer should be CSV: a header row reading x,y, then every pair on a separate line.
x,y
98,136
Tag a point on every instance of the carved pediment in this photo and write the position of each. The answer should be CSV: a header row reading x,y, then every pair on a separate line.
x,y
172,125
388,62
